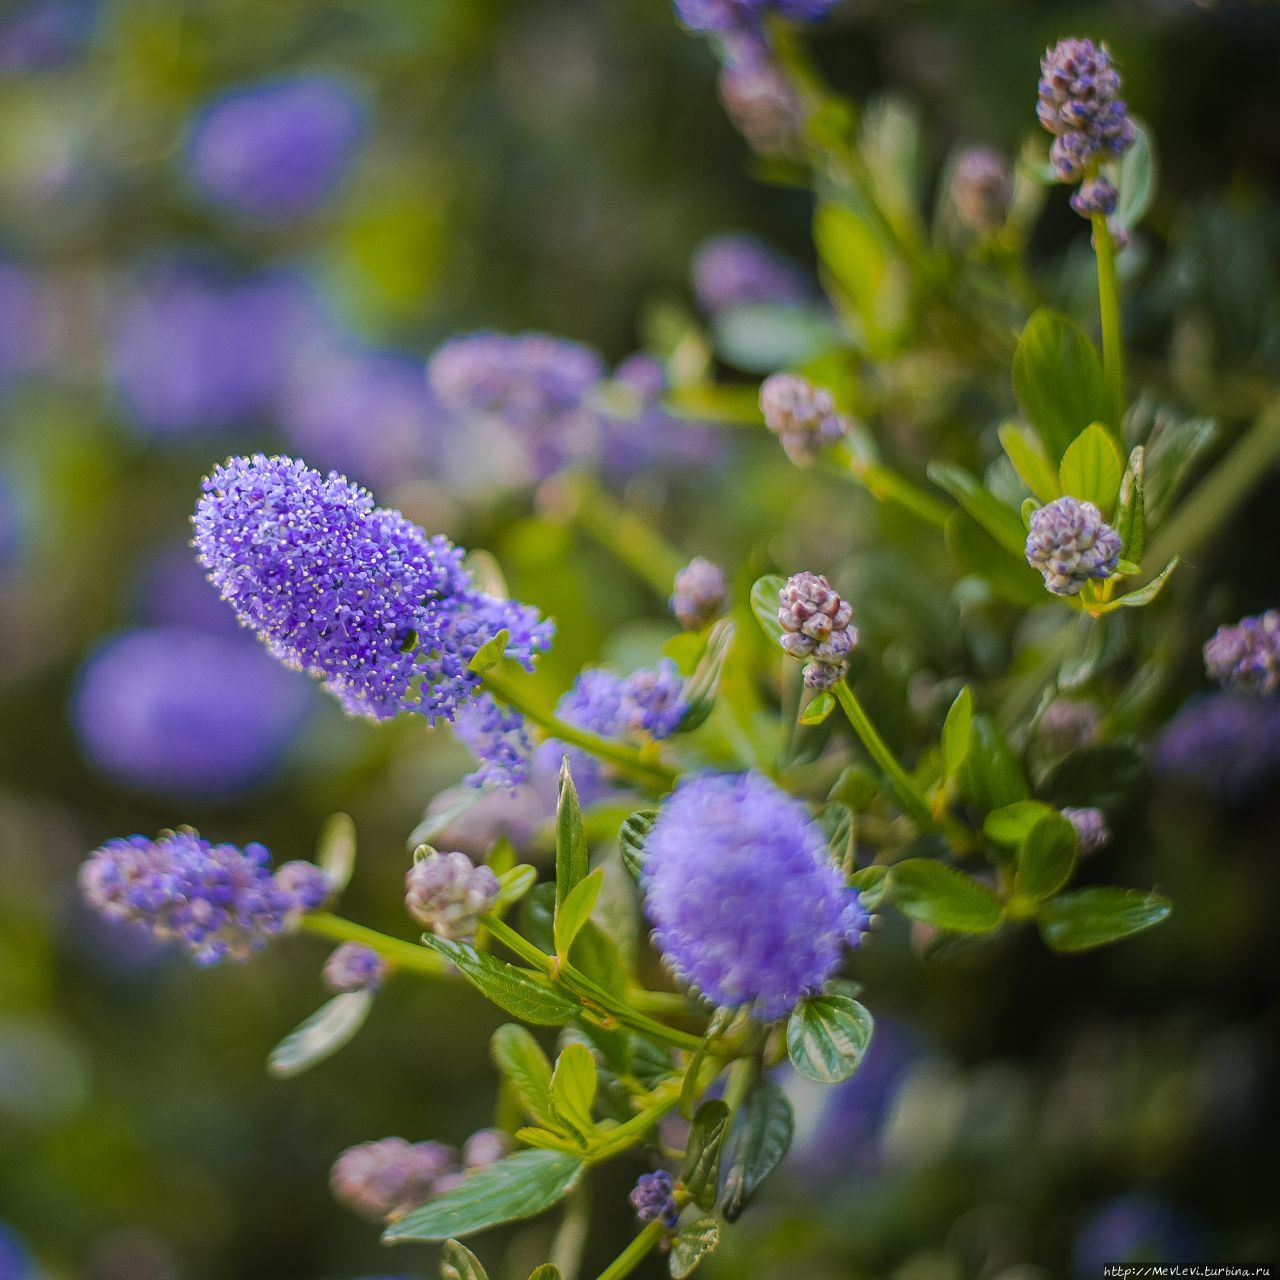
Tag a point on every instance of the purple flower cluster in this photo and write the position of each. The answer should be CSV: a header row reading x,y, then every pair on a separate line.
x,y
357,595
746,904
387,1178
741,270
354,967
1077,103
699,594
42,34
24,339
757,97
1070,543
449,894
1225,743
1091,829
276,150
1246,655
817,626
653,1197
981,189
179,710
727,17
219,901
802,416
497,737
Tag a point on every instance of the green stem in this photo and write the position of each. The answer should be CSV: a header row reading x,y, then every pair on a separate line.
x,y
909,795
635,1253
625,535
628,1133
582,986
1112,335
571,1237
887,486
651,773
403,955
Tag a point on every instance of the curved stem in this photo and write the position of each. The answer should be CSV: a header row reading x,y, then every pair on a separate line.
x,y
571,1237
635,1253
628,760
403,955
886,485
1112,335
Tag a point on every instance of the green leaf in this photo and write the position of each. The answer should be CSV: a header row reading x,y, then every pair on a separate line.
x,y
819,708
459,1263
695,1242
635,831
519,1057
332,1025
702,1151
521,994
1104,776
991,777
1045,858
1131,519
1145,595
827,1037
1030,461
762,337
1003,523
872,883
1136,179
336,850
1093,917
977,552
864,280
548,1271
514,883
703,686
764,604
761,1135
840,827
957,732
573,1089
518,1186
595,955
1092,468
571,839
942,896
1057,378
490,653
576,910
1011,825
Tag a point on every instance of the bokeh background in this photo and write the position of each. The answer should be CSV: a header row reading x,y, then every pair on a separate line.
x,y
555,165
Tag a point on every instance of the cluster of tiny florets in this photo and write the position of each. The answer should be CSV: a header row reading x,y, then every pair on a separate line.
x,y
498,739
981,189
354,594
699,594
1227,744
220,901
448,893
1246,655
728,17
1078,104
817,627
653,1197
1070,543
354,967
1091,827
746,904
757,97
802,416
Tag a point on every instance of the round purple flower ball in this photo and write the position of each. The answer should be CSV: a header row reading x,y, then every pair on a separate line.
x,y
354,967
183,711
276,150
746,904
653,1197
1070,544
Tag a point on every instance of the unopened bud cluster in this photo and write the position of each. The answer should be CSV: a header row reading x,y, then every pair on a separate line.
x,y
802,416
699,594
1070,543
1246,655
354,967
448,893
817,628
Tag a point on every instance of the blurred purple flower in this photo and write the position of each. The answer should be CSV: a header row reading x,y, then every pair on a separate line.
x,y
1228,744
191,350
739,270
276,150
175,592
10,526
722,17
25,343
44,34
177,710
1135,1230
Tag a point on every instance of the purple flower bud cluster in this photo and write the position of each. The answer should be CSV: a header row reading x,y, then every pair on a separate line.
x,y
746,904
653,1197
1094,195
981,189
741,270
354,967
1067,725
357,595
1091,829
757,97
699,595
182,711
727,17
802,416
387,1178
1070,543
1227,744
219,901
448,893
498,739
1078,104
276,150
1246,655
817,628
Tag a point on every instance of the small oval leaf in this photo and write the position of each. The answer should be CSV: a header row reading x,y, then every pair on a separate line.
x,y
942,896
692,1245
701,1172
336,850
333,1025
459,1263
518,992
1090,918
827,1037
761,1137
764,604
